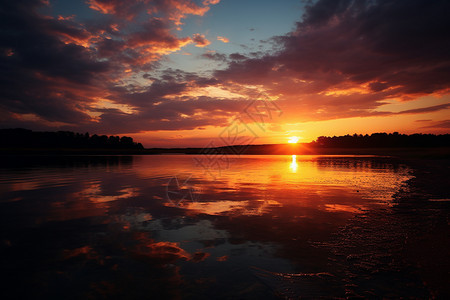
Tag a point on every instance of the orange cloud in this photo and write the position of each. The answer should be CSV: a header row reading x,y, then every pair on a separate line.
x,y
68,18
173,10
104,8
125,9
223,39
166,250
181,8
208,2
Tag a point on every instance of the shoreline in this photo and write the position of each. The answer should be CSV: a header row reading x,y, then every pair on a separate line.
x,y
416,152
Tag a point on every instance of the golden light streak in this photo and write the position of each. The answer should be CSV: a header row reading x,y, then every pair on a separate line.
x,y
294,165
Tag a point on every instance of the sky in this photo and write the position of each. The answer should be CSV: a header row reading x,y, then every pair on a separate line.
x,y
180,73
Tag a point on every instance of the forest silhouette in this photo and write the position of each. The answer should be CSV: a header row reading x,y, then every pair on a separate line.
x,y
24,138
20,138
383,140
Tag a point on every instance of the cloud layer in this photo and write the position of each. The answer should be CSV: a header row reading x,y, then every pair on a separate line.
x,y
343,59
347,57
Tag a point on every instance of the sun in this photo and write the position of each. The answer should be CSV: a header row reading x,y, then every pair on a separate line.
x,y
293,140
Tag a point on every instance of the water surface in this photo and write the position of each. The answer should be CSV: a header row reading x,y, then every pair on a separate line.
x,y
191,227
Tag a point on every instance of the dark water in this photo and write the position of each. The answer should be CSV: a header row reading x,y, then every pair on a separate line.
x,y
172,226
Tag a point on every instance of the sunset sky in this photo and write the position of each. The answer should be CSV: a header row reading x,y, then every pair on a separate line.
x,y
174,73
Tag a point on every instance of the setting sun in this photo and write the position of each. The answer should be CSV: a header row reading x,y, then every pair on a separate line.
x,y
293,140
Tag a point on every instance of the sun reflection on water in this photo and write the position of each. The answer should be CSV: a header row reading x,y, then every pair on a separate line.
x,y
294,165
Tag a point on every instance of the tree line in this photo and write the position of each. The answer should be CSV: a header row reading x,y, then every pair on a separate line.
x,y
383,140
24,138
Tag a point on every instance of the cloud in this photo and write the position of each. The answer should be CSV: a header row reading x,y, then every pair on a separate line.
x,y
151,32
214,56
192,113
237,56
124,9
344,58
209,2
56,70
426,109
162,106
47,77
200,40
441,124
223,39
174,10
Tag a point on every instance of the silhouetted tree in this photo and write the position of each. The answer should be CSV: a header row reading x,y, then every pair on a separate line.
x,y
23,138
383,140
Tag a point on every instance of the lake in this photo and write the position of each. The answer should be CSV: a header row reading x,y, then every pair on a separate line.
x,y
202,227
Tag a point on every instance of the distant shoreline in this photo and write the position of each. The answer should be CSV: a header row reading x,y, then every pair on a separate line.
x,y
272,149
19,141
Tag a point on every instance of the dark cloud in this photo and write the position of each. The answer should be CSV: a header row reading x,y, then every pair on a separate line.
x,y
170,115
44,77
55,70
161,105
387,43
395,49
237,56
151,32
441,124
426,109
200,40
215,56
125,9
250,71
